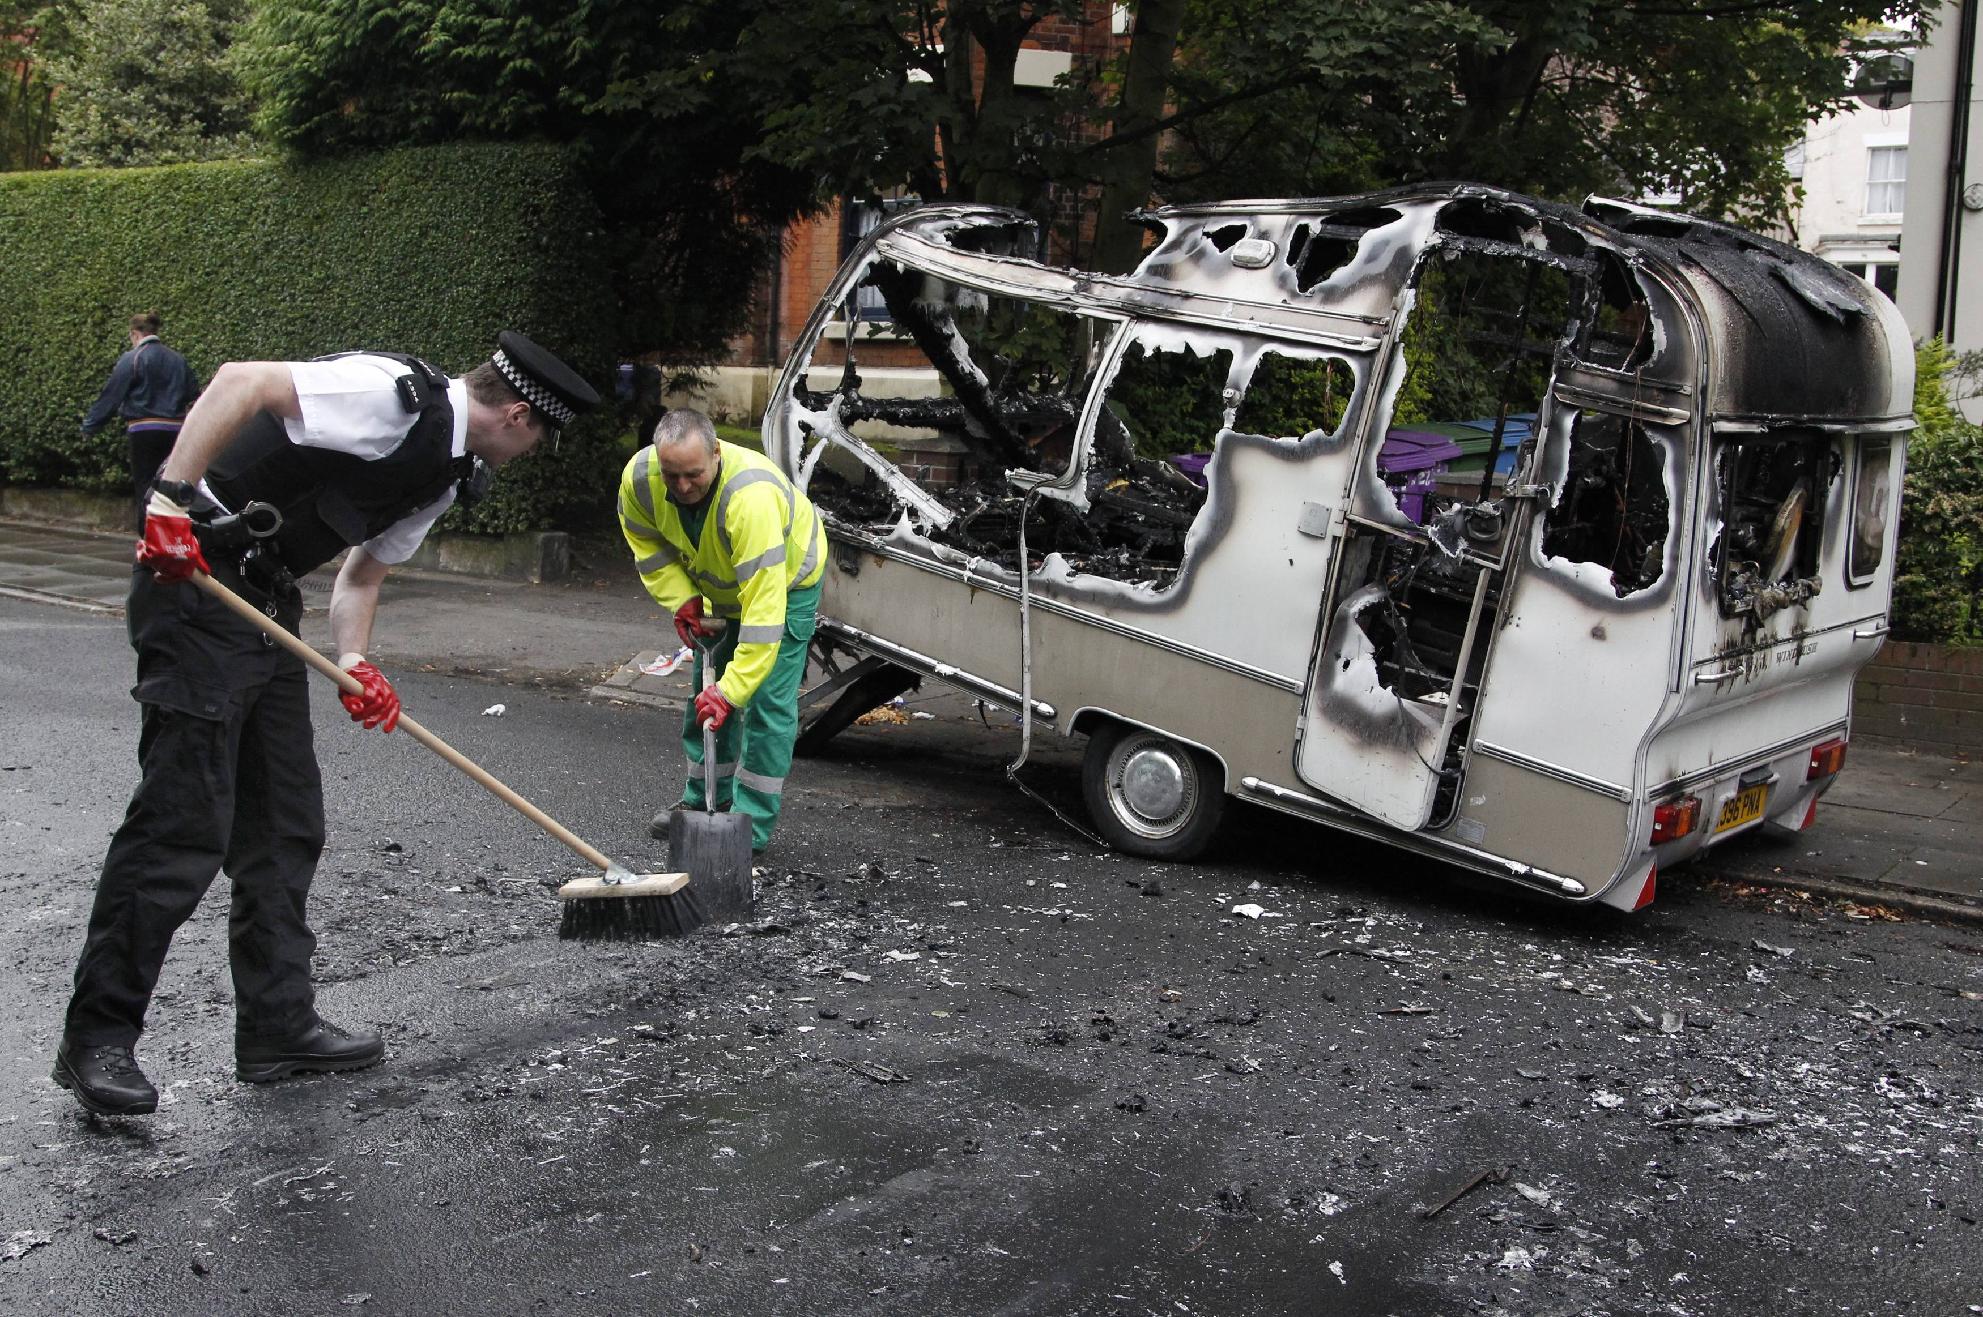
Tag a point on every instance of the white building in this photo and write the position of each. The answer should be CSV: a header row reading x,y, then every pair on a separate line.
x,y
1942,239
1853,170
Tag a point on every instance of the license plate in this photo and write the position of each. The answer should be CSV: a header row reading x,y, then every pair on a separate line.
x,y
1745,806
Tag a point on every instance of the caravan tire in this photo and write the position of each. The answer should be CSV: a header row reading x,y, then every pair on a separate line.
x,y
1150,795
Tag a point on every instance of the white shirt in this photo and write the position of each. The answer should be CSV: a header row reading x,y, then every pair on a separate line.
x,y
351,405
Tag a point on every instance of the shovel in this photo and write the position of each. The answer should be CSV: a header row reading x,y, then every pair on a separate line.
x,y
713,847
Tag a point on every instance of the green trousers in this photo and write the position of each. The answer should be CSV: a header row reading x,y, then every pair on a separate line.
x,y
754,744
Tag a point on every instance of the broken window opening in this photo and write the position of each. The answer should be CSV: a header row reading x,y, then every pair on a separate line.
x,y
1774,488
1291,396
1316,251
1613,510
1619,335
1480,350
981,387
1225,235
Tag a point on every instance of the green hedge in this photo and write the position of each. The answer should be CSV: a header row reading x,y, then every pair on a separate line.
x,y
1938,572
430,251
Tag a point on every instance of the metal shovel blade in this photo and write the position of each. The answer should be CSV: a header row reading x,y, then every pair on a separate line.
x,y
715,851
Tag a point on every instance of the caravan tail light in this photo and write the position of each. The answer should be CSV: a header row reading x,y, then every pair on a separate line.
x,y
1675,819
1826,759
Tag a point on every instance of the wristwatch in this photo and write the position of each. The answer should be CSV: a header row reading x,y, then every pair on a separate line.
x,y
181,492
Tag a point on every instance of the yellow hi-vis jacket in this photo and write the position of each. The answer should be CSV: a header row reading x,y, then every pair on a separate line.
x,y
760,538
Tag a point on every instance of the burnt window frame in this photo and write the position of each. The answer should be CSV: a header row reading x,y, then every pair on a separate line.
x,y
1824,462
1861,467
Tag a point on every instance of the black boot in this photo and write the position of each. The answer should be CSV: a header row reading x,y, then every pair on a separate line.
x,y
106,1080
321,1047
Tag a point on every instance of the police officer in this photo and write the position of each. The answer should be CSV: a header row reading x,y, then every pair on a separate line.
x,y
707,518
152,387
361,450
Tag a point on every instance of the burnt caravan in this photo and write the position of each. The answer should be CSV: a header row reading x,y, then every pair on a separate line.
x,y
1542,540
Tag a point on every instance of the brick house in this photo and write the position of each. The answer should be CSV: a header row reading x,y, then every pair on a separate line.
x,y
813,249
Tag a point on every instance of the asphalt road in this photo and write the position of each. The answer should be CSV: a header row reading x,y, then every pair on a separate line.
x,y
962,1062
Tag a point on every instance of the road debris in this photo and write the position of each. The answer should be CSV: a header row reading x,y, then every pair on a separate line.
x,y
22,1242
1492,1175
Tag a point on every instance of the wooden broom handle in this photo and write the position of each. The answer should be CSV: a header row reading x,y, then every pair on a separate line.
x,y
346,682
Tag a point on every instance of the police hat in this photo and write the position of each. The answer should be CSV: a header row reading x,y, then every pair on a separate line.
x,y
546,383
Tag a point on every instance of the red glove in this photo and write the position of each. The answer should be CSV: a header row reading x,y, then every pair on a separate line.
x,y
711,708
378,706
168,547
689,623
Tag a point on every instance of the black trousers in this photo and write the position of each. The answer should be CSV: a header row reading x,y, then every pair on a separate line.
x,y
230,781
148,450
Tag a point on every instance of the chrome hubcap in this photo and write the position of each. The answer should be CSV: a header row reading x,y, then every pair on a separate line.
x,y
1154,787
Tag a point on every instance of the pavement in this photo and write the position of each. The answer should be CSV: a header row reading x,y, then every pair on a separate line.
x,y
1901,828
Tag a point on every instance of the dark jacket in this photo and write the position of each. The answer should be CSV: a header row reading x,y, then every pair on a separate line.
x,y
149,381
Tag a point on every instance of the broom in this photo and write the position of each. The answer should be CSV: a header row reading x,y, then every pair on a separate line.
x,y
618,905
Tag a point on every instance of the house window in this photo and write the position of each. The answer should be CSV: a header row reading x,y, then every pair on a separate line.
x,y
859,218
1886,179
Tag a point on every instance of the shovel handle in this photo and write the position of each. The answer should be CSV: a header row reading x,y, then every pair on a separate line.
x,y
346,682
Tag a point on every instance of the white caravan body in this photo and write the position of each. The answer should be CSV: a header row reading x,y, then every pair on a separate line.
x,y
1610,618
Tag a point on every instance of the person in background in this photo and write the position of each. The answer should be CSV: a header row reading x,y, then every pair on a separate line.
x,y
152,387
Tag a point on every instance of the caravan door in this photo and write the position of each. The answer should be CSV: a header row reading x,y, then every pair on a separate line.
x,y
1401,643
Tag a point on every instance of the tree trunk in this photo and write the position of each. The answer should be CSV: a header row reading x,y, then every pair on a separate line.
x,y
1128,168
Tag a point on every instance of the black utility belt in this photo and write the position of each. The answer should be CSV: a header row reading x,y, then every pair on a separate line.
x,y
246,541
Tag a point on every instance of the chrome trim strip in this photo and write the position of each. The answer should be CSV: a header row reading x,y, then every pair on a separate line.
x,y
1555,772
909,658
869,544
1737,767
1723,655
1295,802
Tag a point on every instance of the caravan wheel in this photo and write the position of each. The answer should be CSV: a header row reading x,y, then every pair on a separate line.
x,y
1150,795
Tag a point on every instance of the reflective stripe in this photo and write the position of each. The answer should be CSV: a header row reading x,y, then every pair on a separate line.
x,y
655,561
643,462
770,786
769,558
639,531
760,635
716,581
812,556
722,769
748,476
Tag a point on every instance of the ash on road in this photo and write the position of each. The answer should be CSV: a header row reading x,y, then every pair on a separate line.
x,y
961,1062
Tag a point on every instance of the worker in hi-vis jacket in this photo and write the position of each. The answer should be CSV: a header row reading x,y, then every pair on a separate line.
x,y
718,531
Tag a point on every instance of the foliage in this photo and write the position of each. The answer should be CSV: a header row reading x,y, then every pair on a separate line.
x,y
1938,572
31,33
1290,396
428,251
663,123
1171,401
1325,97
145,82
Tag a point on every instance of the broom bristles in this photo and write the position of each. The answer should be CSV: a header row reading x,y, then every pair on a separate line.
x,y
633,919
624,907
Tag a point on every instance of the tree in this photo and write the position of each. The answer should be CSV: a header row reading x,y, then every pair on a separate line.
x,y
146,82
30,33
1694,97
647,99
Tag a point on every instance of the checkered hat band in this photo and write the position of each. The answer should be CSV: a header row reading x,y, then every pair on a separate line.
x,y
534,393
